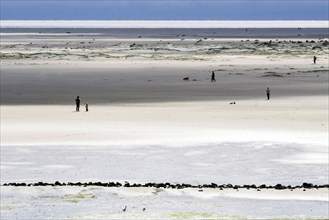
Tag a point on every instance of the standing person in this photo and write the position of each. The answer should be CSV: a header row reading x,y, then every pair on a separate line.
x,y
87,106
268,93
314,59
77,102
213,76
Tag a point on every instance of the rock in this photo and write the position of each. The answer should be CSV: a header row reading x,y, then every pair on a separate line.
x,y
228,186
279,187
253,186
213,185
160,185
186,185
307,185
38,184
263,186
148,185
57,183
236,187
111,184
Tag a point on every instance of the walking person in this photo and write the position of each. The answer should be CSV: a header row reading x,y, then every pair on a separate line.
x,y
213,76
87,106
314,59
268,93
77,102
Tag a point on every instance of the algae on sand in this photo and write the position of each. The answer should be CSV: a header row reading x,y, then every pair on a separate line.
x,y
202,215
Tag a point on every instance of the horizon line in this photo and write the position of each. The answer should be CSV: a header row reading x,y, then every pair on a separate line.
x,y
164,24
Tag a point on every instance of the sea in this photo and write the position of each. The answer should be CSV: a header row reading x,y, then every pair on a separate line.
x,y
170,29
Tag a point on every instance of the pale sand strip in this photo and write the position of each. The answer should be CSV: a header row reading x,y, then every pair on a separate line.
x,y
293,119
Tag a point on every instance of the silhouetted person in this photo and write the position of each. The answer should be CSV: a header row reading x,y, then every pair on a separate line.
x,y
87,106
268,93
314,59
213,76
77,102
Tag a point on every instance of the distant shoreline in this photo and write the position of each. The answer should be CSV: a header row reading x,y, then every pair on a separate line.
x,y
166,33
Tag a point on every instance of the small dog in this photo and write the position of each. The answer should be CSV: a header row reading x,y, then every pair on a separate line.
x,y
186,79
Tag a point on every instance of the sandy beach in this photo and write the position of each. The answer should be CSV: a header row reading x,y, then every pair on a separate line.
x,y
146,124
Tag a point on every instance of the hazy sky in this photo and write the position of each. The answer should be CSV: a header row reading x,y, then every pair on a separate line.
x,y
164,9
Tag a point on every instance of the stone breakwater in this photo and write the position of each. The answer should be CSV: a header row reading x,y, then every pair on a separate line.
x,y
170,185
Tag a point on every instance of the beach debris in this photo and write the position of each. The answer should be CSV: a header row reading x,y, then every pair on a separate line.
x,y
232,103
